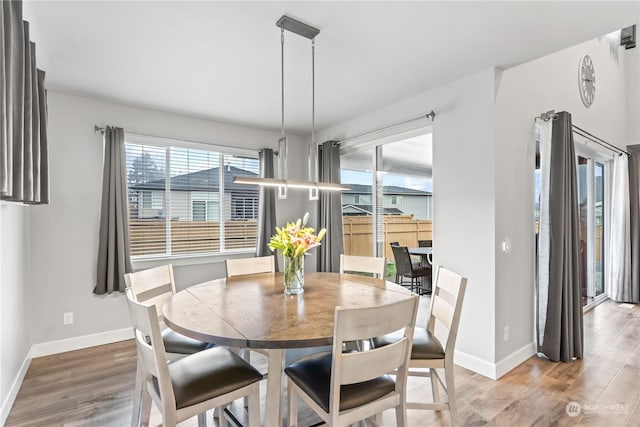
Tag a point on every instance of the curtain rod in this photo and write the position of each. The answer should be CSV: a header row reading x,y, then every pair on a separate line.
x,y
430,115
551,115
100,130
598,141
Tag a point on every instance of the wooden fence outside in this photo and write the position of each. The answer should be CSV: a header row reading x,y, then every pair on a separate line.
x,y
404,229
148,236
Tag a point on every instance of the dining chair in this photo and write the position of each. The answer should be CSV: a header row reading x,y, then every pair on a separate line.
x,y
427,350
425,243
345,387
363,264
192,385
407,269
155,286
241,266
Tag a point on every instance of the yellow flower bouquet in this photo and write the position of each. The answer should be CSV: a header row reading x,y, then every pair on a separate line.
x,y
294,240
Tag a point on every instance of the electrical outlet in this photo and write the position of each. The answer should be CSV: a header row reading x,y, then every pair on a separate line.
x,y
506,333
67,318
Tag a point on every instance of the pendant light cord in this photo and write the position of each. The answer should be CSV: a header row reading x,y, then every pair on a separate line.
x,y
313,91
282,77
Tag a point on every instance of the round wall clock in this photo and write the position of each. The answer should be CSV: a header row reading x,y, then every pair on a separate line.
x,y
587,80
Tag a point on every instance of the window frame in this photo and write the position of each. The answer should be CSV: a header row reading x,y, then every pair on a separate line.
x,y
152,260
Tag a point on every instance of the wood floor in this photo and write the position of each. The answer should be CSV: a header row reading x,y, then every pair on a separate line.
x,y
93,387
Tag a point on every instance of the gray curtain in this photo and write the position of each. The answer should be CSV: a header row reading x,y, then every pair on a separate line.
x,y
114,259
633,294
266,206
330,208
24,170
563,328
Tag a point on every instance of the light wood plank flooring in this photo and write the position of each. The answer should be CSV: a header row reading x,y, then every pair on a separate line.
x,y
93,387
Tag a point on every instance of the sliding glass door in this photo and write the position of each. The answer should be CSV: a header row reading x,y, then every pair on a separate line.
x,y
593,198
391,196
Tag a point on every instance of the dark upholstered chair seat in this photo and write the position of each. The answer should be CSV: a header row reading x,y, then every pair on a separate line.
x,y
425,344
208,374
314,377
180,344
418,270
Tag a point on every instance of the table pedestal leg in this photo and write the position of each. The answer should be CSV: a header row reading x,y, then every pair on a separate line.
x,y
273,401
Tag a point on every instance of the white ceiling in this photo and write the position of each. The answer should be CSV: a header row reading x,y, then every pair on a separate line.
x,y
221,60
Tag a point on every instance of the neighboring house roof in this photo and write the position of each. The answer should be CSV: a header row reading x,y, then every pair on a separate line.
x,y
204,180
387,189
353,209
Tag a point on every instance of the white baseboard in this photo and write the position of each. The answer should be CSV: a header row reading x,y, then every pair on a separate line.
x,y
515,359
475,364
54,347
13,390
77,343
495,370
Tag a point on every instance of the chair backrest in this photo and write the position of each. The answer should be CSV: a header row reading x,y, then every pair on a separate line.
x,y
425,243
363,264
153,286
446,305
394,243
362,323
240,266
152,357
402,258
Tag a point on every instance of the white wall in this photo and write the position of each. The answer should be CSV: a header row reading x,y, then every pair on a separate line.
x,y
463,192
64,233
523,93
15,337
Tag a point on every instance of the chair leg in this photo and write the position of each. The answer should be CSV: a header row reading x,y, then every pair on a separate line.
x,y
137,395
451,395
145,407
222,420
293,405
434,385
254,408
401,415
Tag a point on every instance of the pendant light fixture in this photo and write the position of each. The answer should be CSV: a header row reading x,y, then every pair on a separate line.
x,y
282,181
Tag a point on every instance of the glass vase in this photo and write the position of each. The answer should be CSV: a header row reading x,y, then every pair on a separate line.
x,y
293,275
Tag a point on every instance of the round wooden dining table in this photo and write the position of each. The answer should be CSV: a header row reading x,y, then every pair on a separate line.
x,y
252,311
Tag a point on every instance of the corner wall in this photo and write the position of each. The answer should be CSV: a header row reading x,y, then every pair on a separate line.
x,y
463,192
15,337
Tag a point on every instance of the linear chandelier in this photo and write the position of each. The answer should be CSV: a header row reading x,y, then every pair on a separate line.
x,y
282,182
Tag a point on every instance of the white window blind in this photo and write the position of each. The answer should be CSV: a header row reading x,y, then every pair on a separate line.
x,y
183,200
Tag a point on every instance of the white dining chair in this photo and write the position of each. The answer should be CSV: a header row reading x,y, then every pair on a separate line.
x,y
192,385
427,350
155,286
363,264
346,387
256,265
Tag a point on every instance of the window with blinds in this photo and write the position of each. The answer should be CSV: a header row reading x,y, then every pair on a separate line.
x,y
182,200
